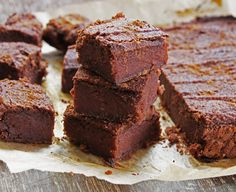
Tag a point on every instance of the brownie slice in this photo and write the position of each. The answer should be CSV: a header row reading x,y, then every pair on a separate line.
x,y
26,113
21,60
70,67
22,27
201,100
112,141
191,56
93,96
203,33
62,31
121,49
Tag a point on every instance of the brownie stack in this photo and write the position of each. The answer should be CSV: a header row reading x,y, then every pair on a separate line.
x,y
115,88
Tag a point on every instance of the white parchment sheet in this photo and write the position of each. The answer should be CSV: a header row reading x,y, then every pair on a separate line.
x,y
159,161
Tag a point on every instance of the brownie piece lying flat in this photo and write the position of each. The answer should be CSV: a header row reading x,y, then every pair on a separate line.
x,y
93,96
26,113
121,48
22,28
70,66
191,56
62,31
112,141
21,60
203,33
201,100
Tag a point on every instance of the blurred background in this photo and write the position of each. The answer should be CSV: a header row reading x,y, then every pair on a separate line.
x,y
150,10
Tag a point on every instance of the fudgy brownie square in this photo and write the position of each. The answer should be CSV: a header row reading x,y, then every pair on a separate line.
x,y
22,27
200,99
112,141
26,113
96,97
62,31
120,49
70,67
21,60
203,33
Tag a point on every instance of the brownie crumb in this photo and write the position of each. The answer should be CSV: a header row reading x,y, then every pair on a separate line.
x,y
135,174
108,172
173,135
64,101
119,15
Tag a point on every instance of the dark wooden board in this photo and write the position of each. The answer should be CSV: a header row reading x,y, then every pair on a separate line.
x,y
34,180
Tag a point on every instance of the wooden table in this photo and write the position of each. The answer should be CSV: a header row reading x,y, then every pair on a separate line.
x,y
34,180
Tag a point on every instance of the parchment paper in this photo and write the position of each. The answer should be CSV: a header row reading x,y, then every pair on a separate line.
x,y
159,161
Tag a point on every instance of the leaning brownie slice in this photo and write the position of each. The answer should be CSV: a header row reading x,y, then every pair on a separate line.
x,y
200,99
70,67
93,96
21,60
62,31
26,113
22,28
121,49
112,141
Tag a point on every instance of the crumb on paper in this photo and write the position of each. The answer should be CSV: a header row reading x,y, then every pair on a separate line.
x,y
64,101
108,172
135,174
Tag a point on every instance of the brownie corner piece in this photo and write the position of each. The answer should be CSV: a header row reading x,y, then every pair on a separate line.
x,y
19,60
26,113
61,32
112,141
22,27
122,48
200,99
70,67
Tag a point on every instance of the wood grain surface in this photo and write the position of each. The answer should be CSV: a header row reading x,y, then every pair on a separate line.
x,y
34,180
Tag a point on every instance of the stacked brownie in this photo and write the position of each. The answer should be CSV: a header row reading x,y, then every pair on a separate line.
x,y
200,85
115,87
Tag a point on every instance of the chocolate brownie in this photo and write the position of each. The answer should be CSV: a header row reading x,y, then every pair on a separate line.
x,y
200,99
22,28
62,31
203,33
21,60
93,96
120,49
70,66
191,56
26,113
112,141
200,85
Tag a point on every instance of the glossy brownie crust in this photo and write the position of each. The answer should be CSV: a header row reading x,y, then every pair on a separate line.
x,y
22,28
62,31
122,48
26,113
112,141
70,67
21,60
93,96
